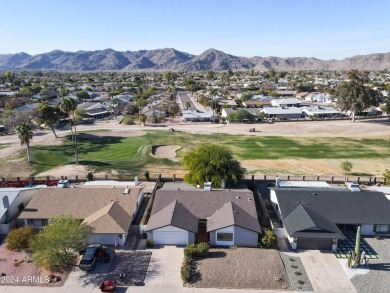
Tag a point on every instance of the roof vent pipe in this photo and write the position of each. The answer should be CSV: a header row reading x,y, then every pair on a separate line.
x,y
277,181
5,202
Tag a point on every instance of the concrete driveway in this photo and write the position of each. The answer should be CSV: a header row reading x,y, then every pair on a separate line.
x,y
164,268
325,272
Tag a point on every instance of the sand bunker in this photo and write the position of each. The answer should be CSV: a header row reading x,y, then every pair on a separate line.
x,y
166,151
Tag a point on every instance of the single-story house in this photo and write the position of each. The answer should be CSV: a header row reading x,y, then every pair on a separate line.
x,y
256,104
27,107
13,201
108,211
198,115
286,93
97,113
218,217
282,113
254,111
321,112
319,97
291,102
317,219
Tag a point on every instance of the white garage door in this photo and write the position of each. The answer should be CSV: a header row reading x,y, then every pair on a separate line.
x,y
170,238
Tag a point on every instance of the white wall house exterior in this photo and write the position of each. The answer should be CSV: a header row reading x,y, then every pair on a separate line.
x,y
13,201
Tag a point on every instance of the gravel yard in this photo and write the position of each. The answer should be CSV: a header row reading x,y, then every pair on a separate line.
x,y
241,268
296,272
132,263
16,268
378,277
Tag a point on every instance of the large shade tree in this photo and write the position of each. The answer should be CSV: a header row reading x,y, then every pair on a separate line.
x,y
49,116
354,95
25,134
69,106
59,242
212,163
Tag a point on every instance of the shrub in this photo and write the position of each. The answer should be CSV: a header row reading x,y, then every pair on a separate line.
x,y
346,166
90,176
185,272
149,243
18,238
386,174
128,120
269,239
199,250
294,266
300,282
298,273
202,250
190,250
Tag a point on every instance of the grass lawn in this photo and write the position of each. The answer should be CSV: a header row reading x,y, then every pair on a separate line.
x,y
132,154
3,145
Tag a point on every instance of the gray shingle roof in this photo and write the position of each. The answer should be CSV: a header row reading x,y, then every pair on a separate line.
x,y
174,214
231,214
303,221
204,203
217,206
339,207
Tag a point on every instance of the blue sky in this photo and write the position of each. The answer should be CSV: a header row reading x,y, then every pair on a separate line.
x,y
287,28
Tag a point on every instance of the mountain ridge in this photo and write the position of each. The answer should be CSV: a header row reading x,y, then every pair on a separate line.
x,y
172,59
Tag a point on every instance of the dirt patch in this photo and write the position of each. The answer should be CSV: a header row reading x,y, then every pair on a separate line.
x,y
241,268
166,151
369,167
17,167
71,171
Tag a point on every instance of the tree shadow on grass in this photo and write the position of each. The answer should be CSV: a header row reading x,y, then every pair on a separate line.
x,y
94,163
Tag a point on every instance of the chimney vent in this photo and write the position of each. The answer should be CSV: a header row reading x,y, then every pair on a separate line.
x,y
5,202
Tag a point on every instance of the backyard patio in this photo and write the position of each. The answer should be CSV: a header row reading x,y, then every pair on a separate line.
x,y
347,245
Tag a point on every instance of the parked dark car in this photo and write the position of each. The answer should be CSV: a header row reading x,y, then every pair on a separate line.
x,y
92,255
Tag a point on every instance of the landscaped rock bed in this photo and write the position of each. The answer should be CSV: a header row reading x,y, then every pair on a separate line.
x,y
299,281
134,264
378,277
17,268
244,268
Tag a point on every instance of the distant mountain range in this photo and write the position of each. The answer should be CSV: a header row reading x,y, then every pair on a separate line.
x,y
171,59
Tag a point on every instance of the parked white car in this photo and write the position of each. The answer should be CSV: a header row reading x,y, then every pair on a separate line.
x,y
353,186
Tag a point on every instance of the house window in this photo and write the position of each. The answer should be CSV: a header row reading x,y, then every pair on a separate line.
x,y
382,228
224,236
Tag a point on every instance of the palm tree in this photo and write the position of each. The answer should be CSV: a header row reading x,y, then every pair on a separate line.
x,y
68,106
188,105
25,134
